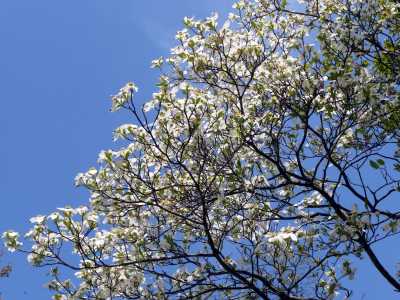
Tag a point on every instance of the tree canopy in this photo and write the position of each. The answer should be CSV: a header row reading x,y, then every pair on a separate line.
x,y
266,163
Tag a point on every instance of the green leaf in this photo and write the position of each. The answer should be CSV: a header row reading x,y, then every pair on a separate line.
x,y
374,164
380,161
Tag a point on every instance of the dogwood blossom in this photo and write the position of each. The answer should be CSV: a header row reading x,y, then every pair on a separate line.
x,y
11,240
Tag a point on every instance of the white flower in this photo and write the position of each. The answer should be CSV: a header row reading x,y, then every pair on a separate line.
x,y
157,63
55,216
67,211
38,219
11,240
81,210
123,96
239,5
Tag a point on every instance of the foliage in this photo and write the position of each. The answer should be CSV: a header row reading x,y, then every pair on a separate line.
x,y
5,270
264,165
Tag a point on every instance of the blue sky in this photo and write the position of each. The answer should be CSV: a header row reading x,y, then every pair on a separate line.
x,y
59,63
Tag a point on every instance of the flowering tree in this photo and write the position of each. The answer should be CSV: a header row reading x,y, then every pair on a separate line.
x,y
266,163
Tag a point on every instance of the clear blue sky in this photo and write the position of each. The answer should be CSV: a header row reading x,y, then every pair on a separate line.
x,y
59,63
